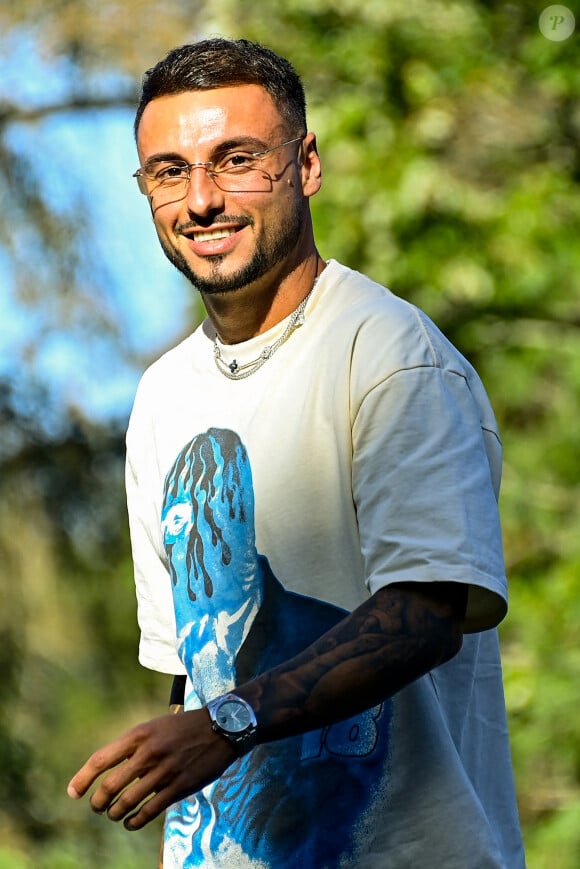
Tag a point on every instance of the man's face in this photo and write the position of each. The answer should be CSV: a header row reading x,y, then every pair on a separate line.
x,y
223,241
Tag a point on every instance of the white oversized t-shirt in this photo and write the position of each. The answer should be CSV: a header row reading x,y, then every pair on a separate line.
x,y
363,452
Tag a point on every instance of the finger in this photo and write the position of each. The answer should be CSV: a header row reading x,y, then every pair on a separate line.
x,y
114,785
168,789
105,758
133,796
150,809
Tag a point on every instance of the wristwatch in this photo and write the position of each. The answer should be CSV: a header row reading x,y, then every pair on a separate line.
x,y
234,718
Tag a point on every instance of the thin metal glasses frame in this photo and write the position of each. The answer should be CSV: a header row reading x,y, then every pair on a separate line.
x,y
144,178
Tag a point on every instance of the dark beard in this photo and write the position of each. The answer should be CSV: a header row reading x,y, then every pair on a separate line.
x,y
265,258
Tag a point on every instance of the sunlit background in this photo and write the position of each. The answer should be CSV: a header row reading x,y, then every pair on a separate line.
x,y
449,137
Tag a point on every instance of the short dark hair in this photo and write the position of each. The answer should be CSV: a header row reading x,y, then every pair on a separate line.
x,y
218,63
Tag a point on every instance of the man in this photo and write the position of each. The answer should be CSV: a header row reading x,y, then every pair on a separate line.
x,y
312,484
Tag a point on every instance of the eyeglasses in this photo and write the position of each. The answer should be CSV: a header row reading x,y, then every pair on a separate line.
x,y
235,171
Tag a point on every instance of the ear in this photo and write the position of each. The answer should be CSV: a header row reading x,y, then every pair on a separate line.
x,y
311,169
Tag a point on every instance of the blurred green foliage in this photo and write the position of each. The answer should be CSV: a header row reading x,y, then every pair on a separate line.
x,y
449,136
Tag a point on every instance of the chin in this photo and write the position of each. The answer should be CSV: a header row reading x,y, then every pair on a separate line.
x,y
216,283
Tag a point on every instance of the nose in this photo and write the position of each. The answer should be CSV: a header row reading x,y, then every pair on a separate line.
x,y
203,195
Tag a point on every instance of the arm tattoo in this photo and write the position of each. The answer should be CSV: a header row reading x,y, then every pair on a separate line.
x,y
396,636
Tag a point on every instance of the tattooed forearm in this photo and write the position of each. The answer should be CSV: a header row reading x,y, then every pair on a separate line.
x,y
399,634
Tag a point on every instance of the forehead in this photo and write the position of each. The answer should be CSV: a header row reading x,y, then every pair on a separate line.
x,y
202,119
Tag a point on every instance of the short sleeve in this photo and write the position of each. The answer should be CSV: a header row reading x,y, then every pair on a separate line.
x,y
423,486
155,612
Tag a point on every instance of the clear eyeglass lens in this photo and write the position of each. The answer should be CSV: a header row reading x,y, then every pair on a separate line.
x,y
166,180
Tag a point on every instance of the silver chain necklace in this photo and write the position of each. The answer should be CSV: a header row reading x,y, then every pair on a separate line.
x,y
233,371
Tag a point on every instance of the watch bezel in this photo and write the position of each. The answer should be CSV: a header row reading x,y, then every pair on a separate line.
x,y
242,740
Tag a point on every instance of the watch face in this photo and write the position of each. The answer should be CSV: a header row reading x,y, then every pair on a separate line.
x,y
233,716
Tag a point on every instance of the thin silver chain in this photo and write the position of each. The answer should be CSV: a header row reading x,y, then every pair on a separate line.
x,y
233,371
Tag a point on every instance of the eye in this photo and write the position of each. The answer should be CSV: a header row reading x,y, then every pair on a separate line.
x,y
164,173
235,161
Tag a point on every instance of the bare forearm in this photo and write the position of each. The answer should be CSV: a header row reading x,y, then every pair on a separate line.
x,y
399,634
396,636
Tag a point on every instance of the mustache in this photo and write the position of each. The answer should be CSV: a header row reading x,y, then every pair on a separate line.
x,y
230,219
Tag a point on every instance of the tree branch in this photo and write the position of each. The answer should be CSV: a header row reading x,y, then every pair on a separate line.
x,y
10,113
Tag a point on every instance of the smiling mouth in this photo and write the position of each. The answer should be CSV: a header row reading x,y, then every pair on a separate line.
x,y
220,227
212,234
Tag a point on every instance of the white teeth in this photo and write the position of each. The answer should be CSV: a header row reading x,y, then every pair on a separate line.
x,y
213,234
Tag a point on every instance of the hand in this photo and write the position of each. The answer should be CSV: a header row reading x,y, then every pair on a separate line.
x,y
154,764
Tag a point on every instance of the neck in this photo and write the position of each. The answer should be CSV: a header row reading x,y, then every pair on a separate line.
x,y
242,314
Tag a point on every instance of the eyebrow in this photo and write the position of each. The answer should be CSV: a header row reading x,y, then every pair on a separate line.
x,y
168,157
250,143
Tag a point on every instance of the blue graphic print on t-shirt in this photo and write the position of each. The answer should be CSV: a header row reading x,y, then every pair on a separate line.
x,y
304,801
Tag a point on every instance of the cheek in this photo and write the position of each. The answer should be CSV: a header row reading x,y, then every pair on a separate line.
x,y
167,216
165,229
167,241
278,211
